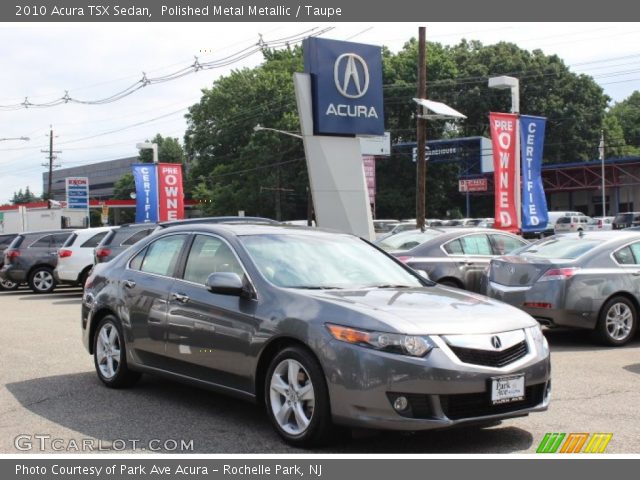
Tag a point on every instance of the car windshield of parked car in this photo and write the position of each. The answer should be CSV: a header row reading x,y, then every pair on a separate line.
x,y
324,262
406,240
560,248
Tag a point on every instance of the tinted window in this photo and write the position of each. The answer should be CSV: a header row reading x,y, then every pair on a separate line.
x,y
70,240
59,239
162,255
136,262
136,237
209,255
624,256
453,248
94,241
6,241
476,245
564,220
42,242
569,248
503,244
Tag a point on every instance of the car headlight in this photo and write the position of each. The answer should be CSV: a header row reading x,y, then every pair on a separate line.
x,y
412,345
539,339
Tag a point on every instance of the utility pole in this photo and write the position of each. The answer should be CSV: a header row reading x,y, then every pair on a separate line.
x,y
52,156
421,134
601,154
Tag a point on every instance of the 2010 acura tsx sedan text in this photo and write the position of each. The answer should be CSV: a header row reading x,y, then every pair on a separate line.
x,y
323,328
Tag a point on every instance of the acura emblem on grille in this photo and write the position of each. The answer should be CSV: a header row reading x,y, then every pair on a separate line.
x,y
495,341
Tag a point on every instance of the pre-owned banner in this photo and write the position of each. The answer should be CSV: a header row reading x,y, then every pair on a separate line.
x,y
146,181
171,197
504,138
534,203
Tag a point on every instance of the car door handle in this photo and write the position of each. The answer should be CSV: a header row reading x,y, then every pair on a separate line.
x,y
180,297
129,283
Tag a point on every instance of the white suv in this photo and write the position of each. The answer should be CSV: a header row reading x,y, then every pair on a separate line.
x,y
574,224
75,257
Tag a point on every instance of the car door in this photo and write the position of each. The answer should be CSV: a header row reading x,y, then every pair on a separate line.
x,y
145,285
208,334
477,253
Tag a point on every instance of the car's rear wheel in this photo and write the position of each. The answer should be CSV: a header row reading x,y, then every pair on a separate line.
x,y
8,285
41,280
110,355
297,398
618,321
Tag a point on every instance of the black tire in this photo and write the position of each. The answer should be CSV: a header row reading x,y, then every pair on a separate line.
x,y
41,280
606,330
8,285
320,428
449,283
123,377
83,277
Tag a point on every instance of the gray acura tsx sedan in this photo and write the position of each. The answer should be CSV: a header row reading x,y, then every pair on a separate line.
x,y
322,328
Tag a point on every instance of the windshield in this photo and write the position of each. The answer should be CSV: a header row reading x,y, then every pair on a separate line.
x,y
318,262
560,248
406,240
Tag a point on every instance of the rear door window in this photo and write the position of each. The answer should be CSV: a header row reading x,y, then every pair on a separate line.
x,y
59,239
94,241
476,245
453,248
43,242
136,237
624,256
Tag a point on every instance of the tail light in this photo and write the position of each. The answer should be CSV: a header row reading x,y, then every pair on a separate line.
x,y
537,305
403,258
103,252
11,254
558,274
64,253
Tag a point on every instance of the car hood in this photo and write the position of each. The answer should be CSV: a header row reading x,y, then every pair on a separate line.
x,y
434,310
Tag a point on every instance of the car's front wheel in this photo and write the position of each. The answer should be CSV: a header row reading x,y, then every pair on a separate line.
x,y
297,398
618,321
110,356
41,280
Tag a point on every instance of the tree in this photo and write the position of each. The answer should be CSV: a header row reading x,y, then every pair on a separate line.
x,y
21,197
627,115
169,151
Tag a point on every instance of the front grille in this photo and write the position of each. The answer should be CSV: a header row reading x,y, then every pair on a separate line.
x,y
491,358
470,405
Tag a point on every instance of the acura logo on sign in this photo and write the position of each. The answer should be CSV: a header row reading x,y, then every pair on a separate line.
x,y
349,78
495,341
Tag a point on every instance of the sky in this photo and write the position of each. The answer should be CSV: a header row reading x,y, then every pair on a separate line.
x,y
92,61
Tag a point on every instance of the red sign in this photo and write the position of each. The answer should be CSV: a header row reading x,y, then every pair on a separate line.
x,y
369,164
504,135
170,195
473,185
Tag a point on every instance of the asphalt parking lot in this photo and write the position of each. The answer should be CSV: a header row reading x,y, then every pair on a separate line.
x,y
49,388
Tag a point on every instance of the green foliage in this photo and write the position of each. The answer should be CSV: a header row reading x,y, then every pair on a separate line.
x,y
627,116
21,197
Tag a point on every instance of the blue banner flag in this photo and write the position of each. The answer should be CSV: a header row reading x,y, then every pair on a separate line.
x,y
146,178
534,204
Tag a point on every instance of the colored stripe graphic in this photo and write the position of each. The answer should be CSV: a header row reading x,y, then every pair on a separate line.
x,y
598,442
550,443
574,443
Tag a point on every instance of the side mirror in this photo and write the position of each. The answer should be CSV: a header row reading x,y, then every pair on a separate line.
x,y
423,274
225,283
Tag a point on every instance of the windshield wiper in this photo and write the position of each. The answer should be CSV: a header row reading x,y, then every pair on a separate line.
x,y
388,286
313,287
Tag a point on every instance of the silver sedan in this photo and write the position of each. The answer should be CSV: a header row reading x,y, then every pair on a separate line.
x,y
588,280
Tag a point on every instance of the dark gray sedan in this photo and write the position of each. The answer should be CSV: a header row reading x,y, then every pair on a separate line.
x,y
459,258
588,280
321,328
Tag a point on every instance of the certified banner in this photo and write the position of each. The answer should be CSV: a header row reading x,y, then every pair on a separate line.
x,y
503,139
146,180
171,196
534,204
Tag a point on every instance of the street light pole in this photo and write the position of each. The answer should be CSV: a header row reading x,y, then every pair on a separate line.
x,y
601,152
421,133
259,128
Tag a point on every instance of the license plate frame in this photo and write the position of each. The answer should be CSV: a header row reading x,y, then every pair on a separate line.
x,y
507,389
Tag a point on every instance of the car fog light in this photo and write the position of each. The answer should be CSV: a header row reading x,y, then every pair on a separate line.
x,y
401,403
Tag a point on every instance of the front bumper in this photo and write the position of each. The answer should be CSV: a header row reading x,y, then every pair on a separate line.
x,y
442,391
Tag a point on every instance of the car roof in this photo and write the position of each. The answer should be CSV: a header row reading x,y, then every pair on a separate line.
x,y
225,219
46,232
607,235
253,229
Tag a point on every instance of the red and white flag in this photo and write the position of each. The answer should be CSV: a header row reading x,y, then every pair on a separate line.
x,y
170,192
504,138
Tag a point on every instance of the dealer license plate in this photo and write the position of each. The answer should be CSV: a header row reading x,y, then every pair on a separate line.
x,y
507,389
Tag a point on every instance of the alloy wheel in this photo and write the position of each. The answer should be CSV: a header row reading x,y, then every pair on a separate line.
x,y
292,397
619,321
108,352
43,280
